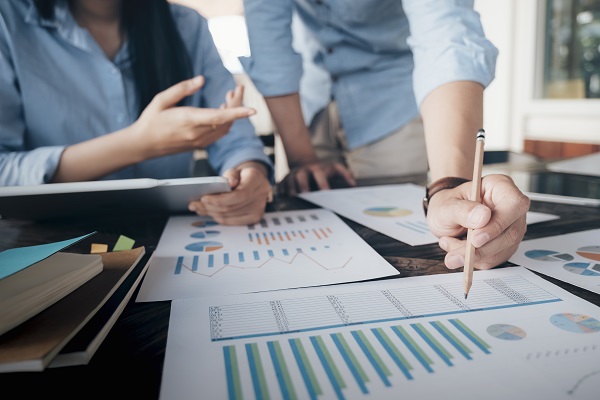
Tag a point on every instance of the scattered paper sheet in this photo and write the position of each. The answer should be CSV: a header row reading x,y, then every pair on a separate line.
x,y
123,243
288,249
394,210
573,258
517,336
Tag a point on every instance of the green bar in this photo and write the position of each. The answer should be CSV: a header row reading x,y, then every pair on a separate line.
x,y
261,372
284,370
376,357
352,357
336,372
237,385
433,340
480,340
394,349
414,344
308,366
447,332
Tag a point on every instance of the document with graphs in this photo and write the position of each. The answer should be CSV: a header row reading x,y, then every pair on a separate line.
x,y
516,337
287,249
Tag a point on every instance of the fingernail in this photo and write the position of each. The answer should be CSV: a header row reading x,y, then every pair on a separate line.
x,y
455,261
443,244
197,80
192,208
476,215
251,112
480,239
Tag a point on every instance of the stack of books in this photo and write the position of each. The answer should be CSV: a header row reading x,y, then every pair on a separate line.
x,y
57,307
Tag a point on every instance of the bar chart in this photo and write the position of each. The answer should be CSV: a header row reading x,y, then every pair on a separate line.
x,y
409,337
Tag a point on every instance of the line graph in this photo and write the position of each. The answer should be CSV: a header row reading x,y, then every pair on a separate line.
x,y
193,268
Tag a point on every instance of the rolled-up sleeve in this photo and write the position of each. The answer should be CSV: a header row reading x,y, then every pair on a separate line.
x,y
448,44
274,67
17,165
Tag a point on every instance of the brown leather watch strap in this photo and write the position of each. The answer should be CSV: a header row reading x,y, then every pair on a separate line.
x,y
448,182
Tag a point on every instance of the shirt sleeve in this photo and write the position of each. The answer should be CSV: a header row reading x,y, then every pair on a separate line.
x,y
241,144
17,165
448,44
274,67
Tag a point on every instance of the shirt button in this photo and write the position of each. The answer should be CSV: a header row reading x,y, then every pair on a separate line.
x,y
114,71
120,117
329,50
334,78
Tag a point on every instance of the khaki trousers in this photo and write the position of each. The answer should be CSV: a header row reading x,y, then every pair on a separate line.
x,y
400,153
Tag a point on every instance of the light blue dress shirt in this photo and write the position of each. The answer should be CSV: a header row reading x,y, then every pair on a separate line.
x,y
57,87
377,58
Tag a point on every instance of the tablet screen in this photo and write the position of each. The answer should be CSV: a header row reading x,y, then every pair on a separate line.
x,y
559,187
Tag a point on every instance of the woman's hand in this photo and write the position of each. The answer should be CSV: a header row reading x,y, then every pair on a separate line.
x,y
165,128
245,204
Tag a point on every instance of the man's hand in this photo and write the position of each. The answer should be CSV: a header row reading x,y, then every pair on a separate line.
x,y
499,222
316,175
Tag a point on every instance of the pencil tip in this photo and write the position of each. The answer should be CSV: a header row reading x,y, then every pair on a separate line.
x,y
466,294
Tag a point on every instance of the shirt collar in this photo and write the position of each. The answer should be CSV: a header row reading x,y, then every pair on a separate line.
x,y
68,30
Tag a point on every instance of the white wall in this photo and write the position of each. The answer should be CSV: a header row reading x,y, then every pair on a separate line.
x,y
497,18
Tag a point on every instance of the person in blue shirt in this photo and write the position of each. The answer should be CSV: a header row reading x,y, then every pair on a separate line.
x,y
119,89
375,88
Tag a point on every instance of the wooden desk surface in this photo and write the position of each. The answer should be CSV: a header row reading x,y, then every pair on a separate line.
x,y
129,362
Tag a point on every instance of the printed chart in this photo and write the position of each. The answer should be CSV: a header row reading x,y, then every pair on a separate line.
x,y
572,258
415,336
289,249
394,210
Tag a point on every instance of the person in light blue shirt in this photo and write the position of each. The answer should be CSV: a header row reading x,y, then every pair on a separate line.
x,y
375,88
118,89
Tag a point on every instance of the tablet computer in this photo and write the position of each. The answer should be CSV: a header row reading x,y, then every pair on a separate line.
x,y
559,187
112,196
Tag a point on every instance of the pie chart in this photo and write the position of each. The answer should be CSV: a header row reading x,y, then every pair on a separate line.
x,y
506,332
387,212
590,252
204,246
577,323
582,268
548,255
205,234
204,223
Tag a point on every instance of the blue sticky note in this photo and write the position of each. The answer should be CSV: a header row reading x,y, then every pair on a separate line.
x,y
14,260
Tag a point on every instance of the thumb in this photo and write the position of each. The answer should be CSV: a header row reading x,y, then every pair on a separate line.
x,y
233,176
170,97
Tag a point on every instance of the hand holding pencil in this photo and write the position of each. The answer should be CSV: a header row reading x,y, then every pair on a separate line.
x,y
495,222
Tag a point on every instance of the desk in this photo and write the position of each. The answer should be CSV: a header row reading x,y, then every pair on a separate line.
x,y
129,362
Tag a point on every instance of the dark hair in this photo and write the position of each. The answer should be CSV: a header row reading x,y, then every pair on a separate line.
x,y
160,59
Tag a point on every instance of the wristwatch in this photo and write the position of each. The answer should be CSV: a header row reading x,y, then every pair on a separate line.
x,y
449,182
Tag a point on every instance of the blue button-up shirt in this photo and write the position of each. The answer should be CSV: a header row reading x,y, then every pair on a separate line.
x,y
377,58
57,87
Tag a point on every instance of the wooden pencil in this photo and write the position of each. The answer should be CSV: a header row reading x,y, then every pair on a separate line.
x,y
475,196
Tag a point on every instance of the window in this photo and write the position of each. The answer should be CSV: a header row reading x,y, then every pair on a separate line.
x,y
571,65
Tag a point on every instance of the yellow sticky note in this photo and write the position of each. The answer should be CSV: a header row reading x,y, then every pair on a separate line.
x,y
123,243
99,248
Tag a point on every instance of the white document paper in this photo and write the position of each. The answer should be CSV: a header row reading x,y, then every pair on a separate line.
x,y
516,337
394,210
573,258
287,249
